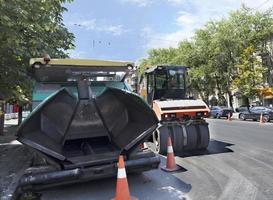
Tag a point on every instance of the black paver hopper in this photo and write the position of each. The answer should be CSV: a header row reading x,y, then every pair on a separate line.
x,y
87,133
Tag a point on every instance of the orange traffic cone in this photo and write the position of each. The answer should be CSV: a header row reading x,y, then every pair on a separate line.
x,y
229,117
170,166
122,189
261,118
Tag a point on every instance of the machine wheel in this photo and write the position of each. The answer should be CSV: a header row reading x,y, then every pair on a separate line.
x,y
184,138
242,117
198,137
266,118
160,142
191,138
178,138
205,137
218,116
160,139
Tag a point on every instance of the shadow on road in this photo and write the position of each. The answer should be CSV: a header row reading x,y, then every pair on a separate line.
x,y
215,147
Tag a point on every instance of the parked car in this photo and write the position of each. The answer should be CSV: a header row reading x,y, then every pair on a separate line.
x,y
220,111
242,108
254,113
271,108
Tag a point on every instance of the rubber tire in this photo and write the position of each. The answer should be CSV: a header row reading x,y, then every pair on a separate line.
x,y
191,138
205,137
266,118
177,138
162,138
242,117
176,133
218,116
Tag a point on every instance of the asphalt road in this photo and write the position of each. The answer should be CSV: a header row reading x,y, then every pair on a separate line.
x,y
237,165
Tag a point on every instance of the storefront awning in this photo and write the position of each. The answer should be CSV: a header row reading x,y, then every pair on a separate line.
x,y
267,93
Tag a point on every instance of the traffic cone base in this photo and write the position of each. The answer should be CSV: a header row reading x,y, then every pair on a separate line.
x,y
176,168
170,165
229,117
131,198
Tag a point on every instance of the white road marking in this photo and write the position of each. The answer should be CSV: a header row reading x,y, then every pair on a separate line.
x,y
175,192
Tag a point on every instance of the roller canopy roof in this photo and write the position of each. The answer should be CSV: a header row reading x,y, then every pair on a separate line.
x,y
166,67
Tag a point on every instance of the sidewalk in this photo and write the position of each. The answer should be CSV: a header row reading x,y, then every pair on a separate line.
x,y
15,159
235,116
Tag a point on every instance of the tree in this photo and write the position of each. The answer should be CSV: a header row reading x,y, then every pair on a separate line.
x,y
159,56
202,77
186,54
201,81
250,75
251,31
29,29
217,52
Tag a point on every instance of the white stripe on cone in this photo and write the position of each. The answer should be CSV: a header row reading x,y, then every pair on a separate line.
x,y
121,173
170,149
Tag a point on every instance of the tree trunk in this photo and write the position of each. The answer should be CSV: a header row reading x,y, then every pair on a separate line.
x,y
2,118
245,101
20,115
207,99
230,99
219,91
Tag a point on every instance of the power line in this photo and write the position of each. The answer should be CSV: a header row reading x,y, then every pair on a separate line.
x,y
259,6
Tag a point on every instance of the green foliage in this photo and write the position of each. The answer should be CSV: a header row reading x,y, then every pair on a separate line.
x,y
29,29
201,81
250,74
186,54
157,57
218,51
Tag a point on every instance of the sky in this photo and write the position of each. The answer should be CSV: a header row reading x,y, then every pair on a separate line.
x,y
127,29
